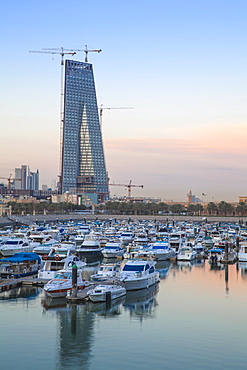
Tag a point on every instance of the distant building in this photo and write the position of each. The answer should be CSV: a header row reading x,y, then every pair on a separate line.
x,y
25,179
83,161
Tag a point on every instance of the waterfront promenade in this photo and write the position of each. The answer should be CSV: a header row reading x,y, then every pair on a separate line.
x,y
51,218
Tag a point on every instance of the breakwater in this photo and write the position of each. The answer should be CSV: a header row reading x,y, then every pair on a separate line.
x,y
53,218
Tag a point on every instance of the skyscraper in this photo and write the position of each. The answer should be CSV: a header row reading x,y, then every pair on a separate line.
x,y
83,162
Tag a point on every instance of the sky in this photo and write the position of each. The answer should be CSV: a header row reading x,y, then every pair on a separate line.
x,y
181,66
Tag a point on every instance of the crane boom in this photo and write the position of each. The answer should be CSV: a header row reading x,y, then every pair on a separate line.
x,y
128,186
86,51
10,179
102,108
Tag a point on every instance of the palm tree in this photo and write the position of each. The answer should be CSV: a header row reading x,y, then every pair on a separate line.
x,y
212,208
241,208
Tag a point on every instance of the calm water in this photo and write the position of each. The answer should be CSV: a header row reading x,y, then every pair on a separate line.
x,y
195,319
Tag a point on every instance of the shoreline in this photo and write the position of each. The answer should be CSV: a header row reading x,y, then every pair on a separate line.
x,y
31,219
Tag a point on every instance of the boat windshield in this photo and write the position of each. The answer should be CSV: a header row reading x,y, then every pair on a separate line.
x,y
63,275
133,268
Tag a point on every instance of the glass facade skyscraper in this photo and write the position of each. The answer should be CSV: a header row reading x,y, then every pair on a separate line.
x,y
83,162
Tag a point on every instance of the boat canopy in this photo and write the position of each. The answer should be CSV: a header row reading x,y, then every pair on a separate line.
x,y
22,256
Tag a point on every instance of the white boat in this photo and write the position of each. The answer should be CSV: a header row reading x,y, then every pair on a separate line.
x,y
186,254
160,251
242,254
139,274
176,241
127,237
90,247
41,243
15,245
112,250
103,293
61,285
54,263
105,272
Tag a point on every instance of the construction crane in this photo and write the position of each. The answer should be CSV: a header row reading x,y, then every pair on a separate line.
x,y
61,51
9,180
86,51
102,108
128,186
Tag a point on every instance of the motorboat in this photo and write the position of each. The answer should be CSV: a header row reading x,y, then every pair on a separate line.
x,y
90,247
160,251
19,265
105,272
215,255
127,237
138,274
14,245
242,254
186,254
103,293
112,250
61,285
176,241
54,262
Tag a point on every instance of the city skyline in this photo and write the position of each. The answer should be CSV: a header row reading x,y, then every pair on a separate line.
x,y
181,66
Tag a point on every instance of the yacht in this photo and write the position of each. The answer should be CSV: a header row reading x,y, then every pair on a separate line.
x,y
112,249
160,251
105,272
90,247
54,262
138,274
242,254
186,253
15,245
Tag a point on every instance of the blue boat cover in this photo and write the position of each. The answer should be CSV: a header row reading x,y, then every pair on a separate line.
x,y
22,256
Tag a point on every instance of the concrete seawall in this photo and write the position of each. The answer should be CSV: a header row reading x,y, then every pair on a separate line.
x,y
28,220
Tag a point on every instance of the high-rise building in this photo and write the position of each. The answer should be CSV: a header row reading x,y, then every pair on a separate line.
x,y
83,161
25,179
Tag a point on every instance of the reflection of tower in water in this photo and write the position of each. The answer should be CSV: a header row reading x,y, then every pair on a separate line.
x,y
75,337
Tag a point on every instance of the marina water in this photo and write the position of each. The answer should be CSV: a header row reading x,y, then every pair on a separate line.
x,y
195,318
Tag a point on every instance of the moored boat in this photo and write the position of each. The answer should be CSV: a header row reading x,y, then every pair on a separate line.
x,y
139,274
103,293
19,265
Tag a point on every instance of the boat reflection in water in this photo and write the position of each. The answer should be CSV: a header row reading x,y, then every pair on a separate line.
x,y
107,309
75,333
186,266
21,292
242,266
51,303
163,267
141,303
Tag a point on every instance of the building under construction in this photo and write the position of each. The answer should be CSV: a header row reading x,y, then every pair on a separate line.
x,y
83,163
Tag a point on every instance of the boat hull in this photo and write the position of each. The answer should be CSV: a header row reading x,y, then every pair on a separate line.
x,y
140,283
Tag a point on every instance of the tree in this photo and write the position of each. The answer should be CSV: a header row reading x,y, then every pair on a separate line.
x,y
225,207
177,208
241,208
212,208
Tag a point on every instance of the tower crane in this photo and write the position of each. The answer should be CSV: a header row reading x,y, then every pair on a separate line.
x,y
86,51
10,179
61,51
102,108
128,186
